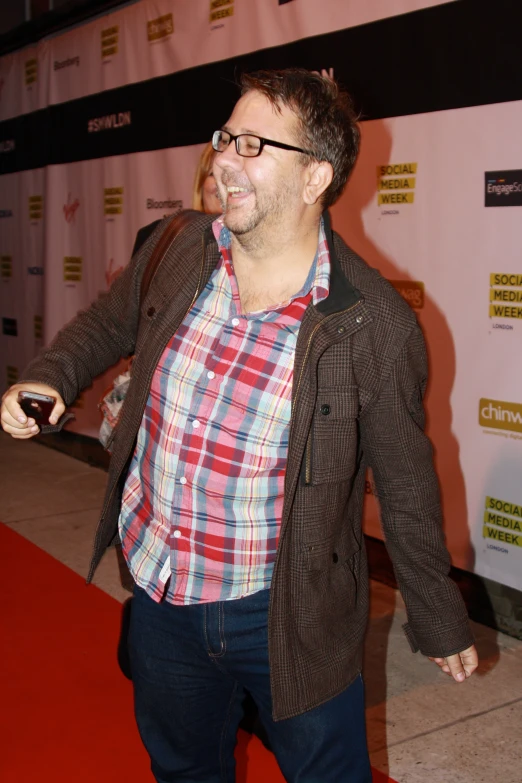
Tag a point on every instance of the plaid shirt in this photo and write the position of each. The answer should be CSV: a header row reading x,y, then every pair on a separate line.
x,y
202,503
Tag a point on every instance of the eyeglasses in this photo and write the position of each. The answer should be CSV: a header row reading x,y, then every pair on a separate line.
x,y
248,145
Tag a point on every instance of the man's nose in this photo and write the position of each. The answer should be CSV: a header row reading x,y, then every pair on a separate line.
x,y
230,158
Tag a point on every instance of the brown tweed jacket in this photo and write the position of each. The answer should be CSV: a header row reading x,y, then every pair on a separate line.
x,y
360,373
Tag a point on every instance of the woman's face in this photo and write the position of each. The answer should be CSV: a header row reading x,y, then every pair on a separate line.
x,y
211,203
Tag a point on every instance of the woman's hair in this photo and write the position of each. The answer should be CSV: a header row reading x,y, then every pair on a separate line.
x,y
203,170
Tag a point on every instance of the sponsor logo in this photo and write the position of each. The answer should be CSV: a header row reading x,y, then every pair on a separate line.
x,y
12,374
410,290
113,201
9,327
31,71
8,145
112,272
500,415
502,522
38,327
109,122
171,204
503,188
6,213
59,64
220,9
392,179
72,269
70,209
160,28
35,270
505,296
109,41
36,207
6,267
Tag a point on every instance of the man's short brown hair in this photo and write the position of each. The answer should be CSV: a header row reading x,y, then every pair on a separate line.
x,y
327,123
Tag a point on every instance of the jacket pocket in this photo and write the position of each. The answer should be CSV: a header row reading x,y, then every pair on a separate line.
x,y
331,449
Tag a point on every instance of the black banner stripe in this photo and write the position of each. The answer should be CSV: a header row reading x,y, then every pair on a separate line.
x,y
447,57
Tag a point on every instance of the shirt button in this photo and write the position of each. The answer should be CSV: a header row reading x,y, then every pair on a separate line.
x,y
183,480
235,321
211,374
177,534
195,424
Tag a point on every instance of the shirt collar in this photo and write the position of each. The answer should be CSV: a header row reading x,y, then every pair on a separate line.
x,y
318,279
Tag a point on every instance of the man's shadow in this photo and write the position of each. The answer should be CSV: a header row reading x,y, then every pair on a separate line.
x,y
360,200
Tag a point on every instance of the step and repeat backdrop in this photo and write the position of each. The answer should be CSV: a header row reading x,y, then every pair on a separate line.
x,y
101,128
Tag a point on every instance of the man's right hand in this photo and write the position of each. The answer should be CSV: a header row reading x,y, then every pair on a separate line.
x,y
13,419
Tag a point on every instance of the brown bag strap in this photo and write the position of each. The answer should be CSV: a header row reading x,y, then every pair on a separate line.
x,y
173,228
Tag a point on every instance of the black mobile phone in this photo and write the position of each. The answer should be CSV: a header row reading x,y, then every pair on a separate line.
x,y
36,406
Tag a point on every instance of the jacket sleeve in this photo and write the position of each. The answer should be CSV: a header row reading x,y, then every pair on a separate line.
x,y
400,455
97,337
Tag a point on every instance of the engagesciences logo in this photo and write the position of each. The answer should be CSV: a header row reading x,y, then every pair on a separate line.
x,y
6,213
505,296
220,9
503,188
410,290
31,71
9,327
58,65
35,270
36,208
173,205
392,178
109,41
160,28
70,209
501,415
6,267
109,122
502,523
112,201
72,269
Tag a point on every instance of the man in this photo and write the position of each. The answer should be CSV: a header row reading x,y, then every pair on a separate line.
x,y
272,367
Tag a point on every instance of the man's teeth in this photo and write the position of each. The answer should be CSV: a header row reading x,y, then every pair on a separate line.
x,y
235,189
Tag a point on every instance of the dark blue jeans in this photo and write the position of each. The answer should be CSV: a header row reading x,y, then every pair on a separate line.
x,y
190,666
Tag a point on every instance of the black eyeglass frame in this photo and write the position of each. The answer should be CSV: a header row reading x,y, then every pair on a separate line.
x,y
262,143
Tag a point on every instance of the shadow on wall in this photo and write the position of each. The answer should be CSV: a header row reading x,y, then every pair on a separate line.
x,y
347,217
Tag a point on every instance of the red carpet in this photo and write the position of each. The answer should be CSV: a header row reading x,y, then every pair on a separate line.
x,y
66,710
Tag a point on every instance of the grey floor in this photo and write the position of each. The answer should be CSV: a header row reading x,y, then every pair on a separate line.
x,y
422,727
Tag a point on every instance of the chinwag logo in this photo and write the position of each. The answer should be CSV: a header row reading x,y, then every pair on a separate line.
x,y
160,28
6,213
113,201
6,267
72,269
500,415
36,207
38,327
31,71
503,188
410,290
220,9
502,521
12,374
109,122
505,295
9,327
109,41
395,177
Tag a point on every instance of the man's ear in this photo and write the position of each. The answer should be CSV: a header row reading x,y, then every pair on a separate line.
x,y
319,175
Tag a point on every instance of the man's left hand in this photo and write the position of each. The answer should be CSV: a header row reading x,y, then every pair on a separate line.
x,y
459,666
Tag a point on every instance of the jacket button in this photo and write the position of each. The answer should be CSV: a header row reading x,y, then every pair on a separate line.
x,y
359,319
335,557
341,330
151,311
325,410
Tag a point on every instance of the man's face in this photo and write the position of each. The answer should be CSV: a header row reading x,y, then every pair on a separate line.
x,y
270,185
